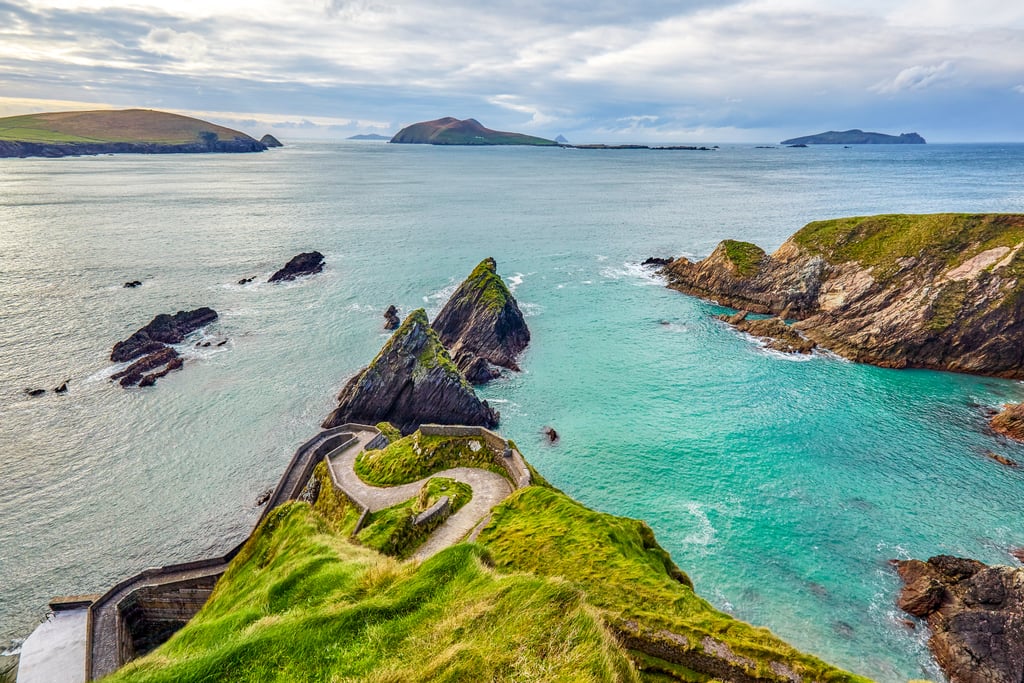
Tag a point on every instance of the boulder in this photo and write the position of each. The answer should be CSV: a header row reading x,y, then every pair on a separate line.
x,y
482,321
551,434
163,329
391,319
1010,421
246,280
412,381
133,284
134,373
975,613
307,263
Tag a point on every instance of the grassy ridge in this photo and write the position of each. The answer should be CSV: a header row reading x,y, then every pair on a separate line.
x,y
415,456
130,125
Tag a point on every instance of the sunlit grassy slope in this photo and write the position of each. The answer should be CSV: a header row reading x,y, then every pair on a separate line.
x,y
129,125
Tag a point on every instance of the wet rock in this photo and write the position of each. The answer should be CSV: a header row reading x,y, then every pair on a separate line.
x,y
391,319
412,381
1017,553
150,379
308,263
133,284
976,615
1001,459
482,320
1010,421
162,330
35,392
246,280
136,372
774,332
262,499
552,435
656,261
63,388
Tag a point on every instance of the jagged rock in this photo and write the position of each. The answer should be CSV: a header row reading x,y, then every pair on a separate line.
x,y
1010,421
246,280
774,332
976,615
133,284
163,329
391,319
35,392
307,263
656,261
940,291
133,374
63,388
150,379
412,381
270,141
551,434
482,321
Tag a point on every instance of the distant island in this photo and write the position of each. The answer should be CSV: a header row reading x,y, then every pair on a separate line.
x,y
369,136
452,131
139,131
856,137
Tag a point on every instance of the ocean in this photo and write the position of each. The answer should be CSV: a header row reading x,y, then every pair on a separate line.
x,y
782,486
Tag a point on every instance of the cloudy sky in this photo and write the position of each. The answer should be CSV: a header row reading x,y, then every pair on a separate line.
x,y
594,70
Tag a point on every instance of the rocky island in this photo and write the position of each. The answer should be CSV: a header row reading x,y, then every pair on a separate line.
x,y
941,291
452,131
856,137
151,346
482,326
306,263
137,131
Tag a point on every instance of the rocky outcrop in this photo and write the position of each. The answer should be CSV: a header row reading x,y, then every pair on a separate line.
x,y
1010,421
774,332
412,381
9,148
943,291
482,326
307,263
452,131
656,261
167,359
270,141
162,330
855,137
975,613
391,319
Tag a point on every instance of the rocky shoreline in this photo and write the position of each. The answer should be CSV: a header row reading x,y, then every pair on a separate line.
x,y
13,149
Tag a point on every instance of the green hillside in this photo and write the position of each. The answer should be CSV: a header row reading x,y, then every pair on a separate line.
x,y
103,126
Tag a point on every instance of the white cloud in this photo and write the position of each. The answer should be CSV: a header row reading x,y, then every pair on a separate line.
x,y
514,103
186,46
1019,88
916,78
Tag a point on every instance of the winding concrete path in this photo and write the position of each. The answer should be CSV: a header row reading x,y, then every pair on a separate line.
x,y
489,489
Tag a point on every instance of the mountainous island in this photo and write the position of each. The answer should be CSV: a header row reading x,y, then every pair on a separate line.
x,y
137,131
452,131
369,136
940,291
856,137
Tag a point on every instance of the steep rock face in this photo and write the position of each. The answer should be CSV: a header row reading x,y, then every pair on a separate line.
x,y
162,330
307,263
412,381
1010,421
976,615
481,325
943,291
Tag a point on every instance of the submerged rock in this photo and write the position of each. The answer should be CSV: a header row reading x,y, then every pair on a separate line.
x,y
63,388
35,392
1010,421
246,280
412,381
162,330
482,325
975,612
551,434
941,291
391,319
307,263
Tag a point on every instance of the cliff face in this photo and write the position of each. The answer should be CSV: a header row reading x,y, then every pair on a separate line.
x,y
943,291
412,381
1010,421
976,615
452,131
481,325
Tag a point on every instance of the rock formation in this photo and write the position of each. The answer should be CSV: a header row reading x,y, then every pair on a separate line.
x,y
855,137
412,381
943,291
1010,421
132,284
162,330
270,141
391,319
656,261
482,326
976,615
136,374
451,131
307,263
774,332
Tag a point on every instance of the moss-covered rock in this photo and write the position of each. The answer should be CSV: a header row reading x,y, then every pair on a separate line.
x,y
412,381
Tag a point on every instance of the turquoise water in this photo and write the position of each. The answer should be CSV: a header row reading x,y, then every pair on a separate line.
x,y
781,486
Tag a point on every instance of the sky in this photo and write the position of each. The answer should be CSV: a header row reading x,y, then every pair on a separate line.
x,y
592,70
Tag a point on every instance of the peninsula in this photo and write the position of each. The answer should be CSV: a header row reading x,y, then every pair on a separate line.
x,y
452,131
941,291
856,137
138,131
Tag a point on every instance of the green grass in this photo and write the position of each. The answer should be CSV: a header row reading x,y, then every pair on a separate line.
x,y
881,241
486,286
390,431
624,572
391,531
300,604
416,456
745,256
131,125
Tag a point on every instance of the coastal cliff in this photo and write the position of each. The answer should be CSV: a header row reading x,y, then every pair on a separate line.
x,y
481,325
412,381
130,131
452,131
941,291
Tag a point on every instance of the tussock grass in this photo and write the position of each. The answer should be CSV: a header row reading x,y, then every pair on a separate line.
x,y
416,456
391,531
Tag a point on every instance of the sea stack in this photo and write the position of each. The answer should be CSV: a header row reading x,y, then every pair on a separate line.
x,y
941,291
482,326
307,263
975,613
270,141
412,381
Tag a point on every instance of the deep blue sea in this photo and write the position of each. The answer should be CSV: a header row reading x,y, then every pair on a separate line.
x,y
782,486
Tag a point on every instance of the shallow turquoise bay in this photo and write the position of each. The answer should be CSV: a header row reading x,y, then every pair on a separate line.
x,y
781,486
